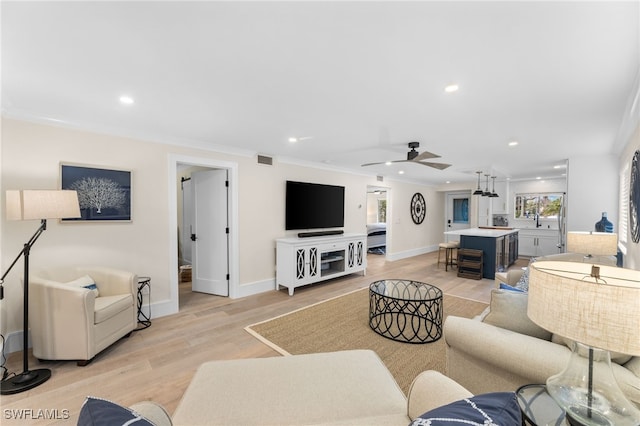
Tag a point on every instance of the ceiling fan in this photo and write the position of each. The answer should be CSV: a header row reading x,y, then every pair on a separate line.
x,y
414,156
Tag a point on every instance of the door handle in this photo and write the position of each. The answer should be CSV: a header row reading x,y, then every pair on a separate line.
x,y
193,237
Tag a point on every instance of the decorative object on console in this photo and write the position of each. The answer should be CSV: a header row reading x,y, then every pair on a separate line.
x,y
33,205
599,308
604,225
592,244
104,194
418,208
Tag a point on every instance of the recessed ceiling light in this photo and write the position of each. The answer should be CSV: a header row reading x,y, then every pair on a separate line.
x,y
560,166
513,143
388,163
401,172
448,181
538,177
299,139
126,100
451,88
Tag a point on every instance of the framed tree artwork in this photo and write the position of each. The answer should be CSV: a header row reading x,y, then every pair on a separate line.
x,y
104,194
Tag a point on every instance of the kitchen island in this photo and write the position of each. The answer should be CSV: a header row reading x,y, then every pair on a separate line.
x,y
498,244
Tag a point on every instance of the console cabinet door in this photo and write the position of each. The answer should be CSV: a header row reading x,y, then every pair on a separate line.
x,y
307,265
356,256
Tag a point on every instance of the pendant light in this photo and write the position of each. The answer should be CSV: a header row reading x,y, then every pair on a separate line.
x,y
486,192
494,194
478,191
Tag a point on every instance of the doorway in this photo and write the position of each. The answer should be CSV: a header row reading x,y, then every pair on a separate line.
x,y
203,233
378,231
456,212
177,162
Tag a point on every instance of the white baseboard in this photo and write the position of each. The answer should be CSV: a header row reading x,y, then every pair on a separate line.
x,y
255,287
410,253
13,342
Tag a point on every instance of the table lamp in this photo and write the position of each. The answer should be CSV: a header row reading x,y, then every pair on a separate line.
x,y
598,307
592,243
30,205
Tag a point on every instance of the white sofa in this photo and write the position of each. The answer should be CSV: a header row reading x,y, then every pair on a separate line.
x,y
502,349
345,388
71,322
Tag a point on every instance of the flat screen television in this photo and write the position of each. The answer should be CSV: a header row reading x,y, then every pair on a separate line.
x,y
314,206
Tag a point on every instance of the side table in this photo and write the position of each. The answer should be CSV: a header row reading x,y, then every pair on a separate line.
x,y
538,407
144,321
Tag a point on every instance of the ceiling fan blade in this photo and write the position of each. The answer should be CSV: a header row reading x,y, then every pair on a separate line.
x,y
425,155
385,162
372,164
439,166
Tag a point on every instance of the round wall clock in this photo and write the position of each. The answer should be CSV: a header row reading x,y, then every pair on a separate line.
x,y
634,198
418,208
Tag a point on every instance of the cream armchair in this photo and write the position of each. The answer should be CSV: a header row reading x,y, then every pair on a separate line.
x,y
73,319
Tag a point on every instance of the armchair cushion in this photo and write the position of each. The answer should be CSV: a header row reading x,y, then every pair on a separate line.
x,y
508,310
108,306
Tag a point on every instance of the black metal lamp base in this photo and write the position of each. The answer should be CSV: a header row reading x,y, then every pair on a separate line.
x,y
25,381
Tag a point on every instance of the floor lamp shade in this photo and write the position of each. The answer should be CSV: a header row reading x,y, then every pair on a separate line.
x,y
42,204
593,243
598,307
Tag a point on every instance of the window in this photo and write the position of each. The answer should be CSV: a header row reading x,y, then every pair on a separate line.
x,y
461,210
382,210
544,206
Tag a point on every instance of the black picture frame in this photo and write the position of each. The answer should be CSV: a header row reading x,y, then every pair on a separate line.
x,y
104,193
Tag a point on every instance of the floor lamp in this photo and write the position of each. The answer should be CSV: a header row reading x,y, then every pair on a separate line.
x,y
34,205
598,307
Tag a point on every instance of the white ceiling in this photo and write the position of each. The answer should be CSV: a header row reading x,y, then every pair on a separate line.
x,y
360,79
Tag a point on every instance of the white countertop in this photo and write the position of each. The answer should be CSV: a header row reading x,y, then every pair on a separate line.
x,y
478,232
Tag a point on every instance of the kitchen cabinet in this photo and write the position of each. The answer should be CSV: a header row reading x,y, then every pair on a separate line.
x,y
500,204
538,242
499,247
484,211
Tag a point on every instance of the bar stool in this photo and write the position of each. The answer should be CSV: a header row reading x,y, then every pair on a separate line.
x,y
448,248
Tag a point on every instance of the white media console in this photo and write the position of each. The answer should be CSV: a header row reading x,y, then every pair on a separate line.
x,y
302,261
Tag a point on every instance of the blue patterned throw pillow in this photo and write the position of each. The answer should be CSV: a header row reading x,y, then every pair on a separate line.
x,y
100,412
490,409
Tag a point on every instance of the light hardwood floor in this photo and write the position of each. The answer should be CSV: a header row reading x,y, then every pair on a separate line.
x,y
157,363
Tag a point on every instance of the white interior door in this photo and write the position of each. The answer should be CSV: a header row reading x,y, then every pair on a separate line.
x,y
457,212
210,232
187,221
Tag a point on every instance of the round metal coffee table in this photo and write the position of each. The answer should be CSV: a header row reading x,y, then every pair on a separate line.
x,y
406,311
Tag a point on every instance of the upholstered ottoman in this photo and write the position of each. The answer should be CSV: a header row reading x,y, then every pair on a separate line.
x,y
350,387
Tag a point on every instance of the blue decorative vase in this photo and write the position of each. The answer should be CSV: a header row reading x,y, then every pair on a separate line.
x,y
604,225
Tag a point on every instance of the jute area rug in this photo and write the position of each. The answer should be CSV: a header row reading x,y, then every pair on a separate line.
x,y
342,323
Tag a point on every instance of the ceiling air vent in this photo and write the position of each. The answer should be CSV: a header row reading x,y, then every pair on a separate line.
x,y
263,159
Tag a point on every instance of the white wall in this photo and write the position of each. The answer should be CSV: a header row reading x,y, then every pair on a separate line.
x,y
592,186
31,154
